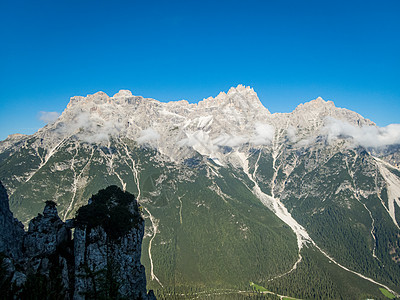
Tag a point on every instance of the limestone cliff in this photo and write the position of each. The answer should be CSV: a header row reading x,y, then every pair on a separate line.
x,y
107,246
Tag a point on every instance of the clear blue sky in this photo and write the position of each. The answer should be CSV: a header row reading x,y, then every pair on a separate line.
x,y
289,51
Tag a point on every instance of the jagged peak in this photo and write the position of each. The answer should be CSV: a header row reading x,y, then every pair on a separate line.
x,y
99,96
123,93
234,95
241,89
240,97
316,103
319,109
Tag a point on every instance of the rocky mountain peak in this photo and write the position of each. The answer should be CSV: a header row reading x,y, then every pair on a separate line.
x,y
46,233
96,98
315,113
99,97
232,118
316,104
123,93
242,98
241,89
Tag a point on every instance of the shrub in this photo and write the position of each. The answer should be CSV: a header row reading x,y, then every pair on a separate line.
x,y
111,208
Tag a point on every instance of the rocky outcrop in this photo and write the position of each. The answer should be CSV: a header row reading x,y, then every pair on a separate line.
x,y
108,253
11,230
99,259
36,262
48,251
103,259
46,233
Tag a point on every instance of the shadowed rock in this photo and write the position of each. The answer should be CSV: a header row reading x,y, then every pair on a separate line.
x,y
103,259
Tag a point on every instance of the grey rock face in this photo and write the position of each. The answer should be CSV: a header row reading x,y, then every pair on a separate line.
x,y
95,253
113,258
46,232
46,248
11,230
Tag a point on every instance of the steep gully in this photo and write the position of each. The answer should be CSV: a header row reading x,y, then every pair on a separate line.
x,y
76,179
135,173
357,196
44,159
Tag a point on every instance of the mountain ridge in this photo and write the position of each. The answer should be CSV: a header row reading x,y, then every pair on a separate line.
x,y
232,115
206,102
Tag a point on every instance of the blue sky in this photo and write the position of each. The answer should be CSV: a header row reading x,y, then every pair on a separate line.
x,y
289,51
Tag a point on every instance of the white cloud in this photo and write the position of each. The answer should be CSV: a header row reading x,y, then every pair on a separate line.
x,y
291,134
98,131
366,136
148,136
229,140
264,134
306,142
48,116
199,141
90,127
196,138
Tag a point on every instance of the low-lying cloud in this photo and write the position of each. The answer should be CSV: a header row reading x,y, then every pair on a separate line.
x,y
264,134
365,136
48,116
229,140
148,136
291,134
90,127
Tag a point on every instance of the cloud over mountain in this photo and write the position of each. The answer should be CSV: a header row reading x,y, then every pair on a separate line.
x,y
148,136
365,136
48,116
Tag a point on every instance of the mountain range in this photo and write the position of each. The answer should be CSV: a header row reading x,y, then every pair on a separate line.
x,y
304,204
